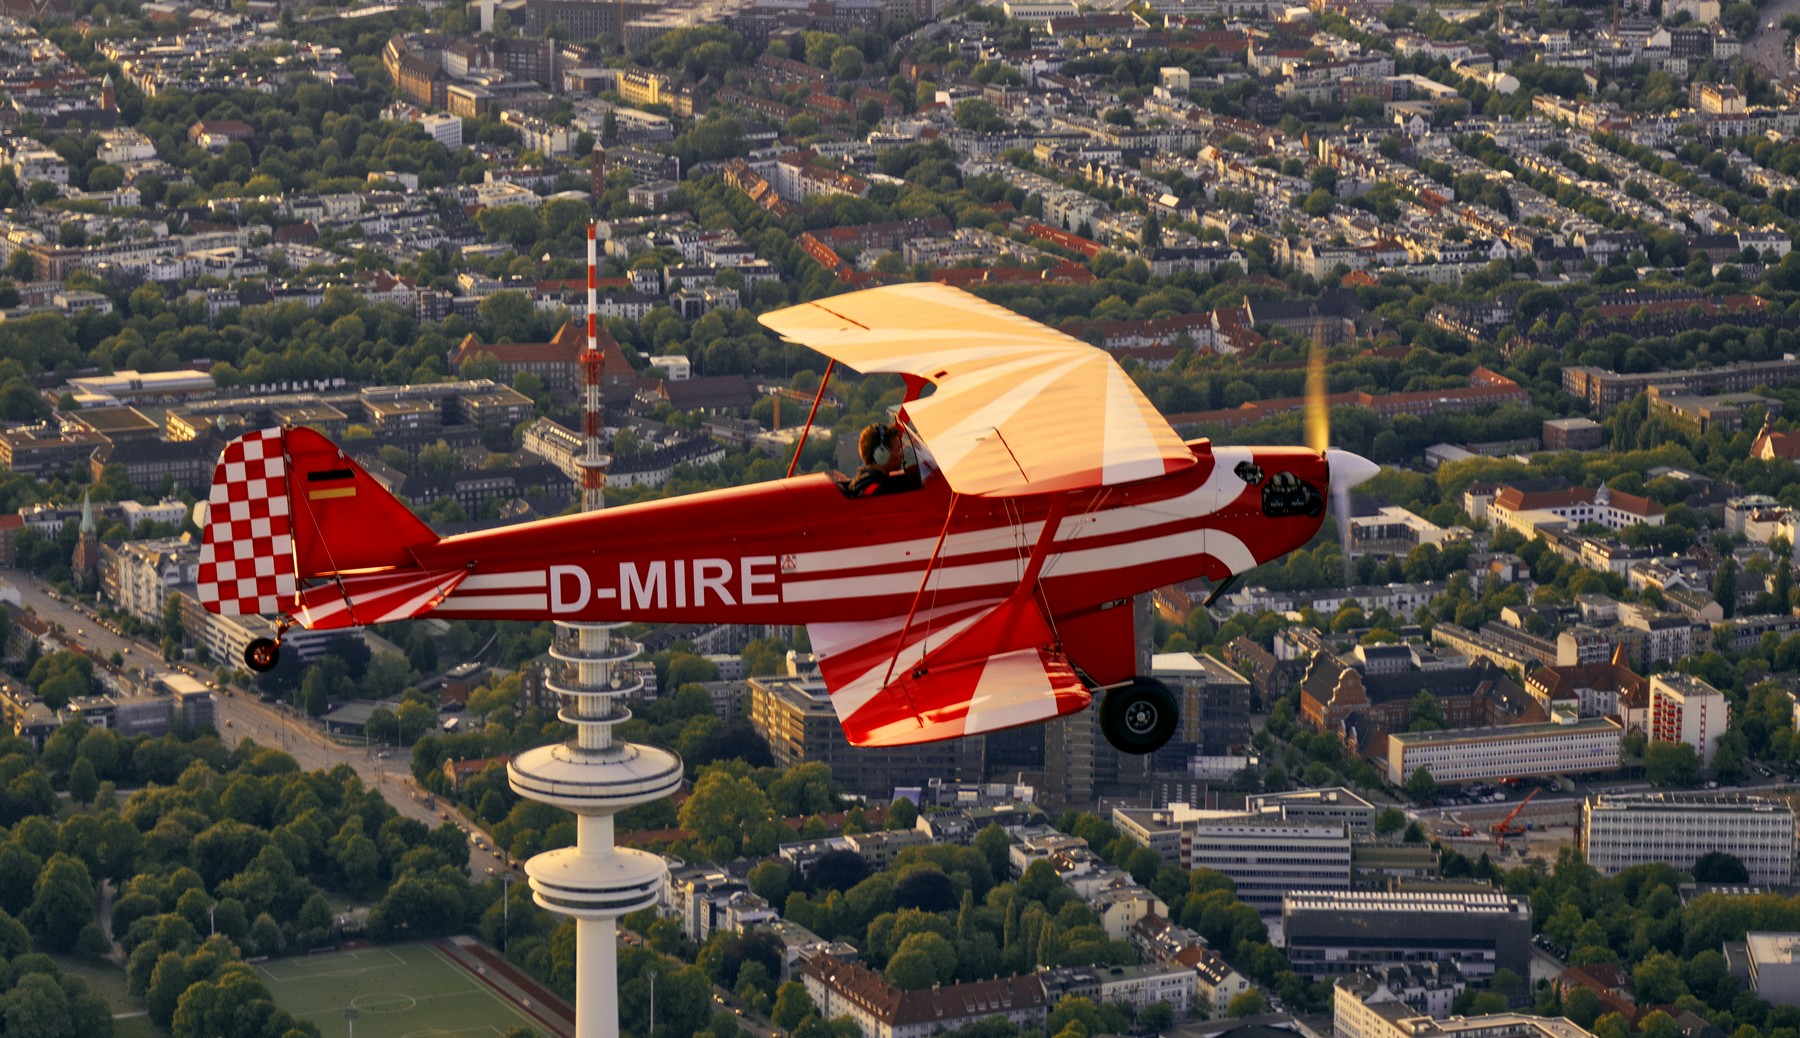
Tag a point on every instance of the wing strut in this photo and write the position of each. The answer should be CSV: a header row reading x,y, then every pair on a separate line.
x,y
919,595
801,443
1025,590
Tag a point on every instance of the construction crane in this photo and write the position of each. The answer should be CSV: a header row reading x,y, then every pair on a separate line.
x,y
1505,827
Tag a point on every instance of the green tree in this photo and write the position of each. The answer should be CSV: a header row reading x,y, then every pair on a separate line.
x,y
1725,586
1720,867
1657,980
83,783
1390,821
1156,1018
902,814
1671,764
847,63
1582,1006
1420,785
1248,1003
724,806
792,1005
62,902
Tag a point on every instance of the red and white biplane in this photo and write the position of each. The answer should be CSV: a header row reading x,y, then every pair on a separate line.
x,y
997,593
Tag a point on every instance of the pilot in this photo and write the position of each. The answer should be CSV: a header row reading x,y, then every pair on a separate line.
x,y
884,469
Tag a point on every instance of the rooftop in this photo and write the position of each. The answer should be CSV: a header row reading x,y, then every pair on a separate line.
x,y
1514,731
1417,901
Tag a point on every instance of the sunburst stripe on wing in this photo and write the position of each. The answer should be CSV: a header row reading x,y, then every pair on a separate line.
x,y
857,656
1019,407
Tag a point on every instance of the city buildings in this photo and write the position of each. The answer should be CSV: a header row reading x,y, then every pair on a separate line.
x,y
1333,805
1331,933
1566,745
1215,982
797,718
1685,709
881,1011
1353,1018
1134,986
1428,988
1268,859
1773,965
1215,702
1619,830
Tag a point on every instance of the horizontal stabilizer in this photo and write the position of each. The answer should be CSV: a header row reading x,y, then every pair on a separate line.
x,y
375,598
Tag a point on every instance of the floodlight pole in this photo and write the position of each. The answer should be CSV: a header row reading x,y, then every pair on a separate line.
x,y
505,911
350,1015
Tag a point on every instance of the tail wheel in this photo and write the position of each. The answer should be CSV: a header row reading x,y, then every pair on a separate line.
x,y
262,654
1140,717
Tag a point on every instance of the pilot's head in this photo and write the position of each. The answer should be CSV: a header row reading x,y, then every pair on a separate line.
x,y
880,446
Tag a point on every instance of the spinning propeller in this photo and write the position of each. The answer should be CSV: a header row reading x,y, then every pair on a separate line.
x,y
1345,470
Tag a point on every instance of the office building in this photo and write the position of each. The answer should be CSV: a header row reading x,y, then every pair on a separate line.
x,y
1353,1018
1687,710
1268,859
1215,702
1332,806
1619,830
1774,973
1331,933
797,718
1566,746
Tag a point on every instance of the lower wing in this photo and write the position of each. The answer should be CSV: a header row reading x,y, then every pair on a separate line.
x,y
976,668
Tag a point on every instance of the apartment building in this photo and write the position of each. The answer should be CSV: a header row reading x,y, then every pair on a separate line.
x,y
1687,710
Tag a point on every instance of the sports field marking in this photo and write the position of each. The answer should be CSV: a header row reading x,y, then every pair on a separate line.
x,y
383,1002
370,959
407,991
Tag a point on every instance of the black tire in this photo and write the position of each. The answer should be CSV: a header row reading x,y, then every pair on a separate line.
x,y
262,654
1140,717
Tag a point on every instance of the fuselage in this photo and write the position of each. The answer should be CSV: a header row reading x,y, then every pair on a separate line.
x,y
798,551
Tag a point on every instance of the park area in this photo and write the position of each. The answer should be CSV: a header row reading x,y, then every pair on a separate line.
x,y
397,991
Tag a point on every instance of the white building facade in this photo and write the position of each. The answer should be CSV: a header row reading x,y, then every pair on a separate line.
x,y
1619,830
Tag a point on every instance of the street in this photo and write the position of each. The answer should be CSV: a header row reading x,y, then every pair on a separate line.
x,y
242,716
1772,49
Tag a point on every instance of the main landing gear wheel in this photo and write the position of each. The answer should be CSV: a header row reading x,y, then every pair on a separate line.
x,y
261,654
1139,717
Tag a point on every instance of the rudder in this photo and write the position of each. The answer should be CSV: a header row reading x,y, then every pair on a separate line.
x,y
247,548
288,505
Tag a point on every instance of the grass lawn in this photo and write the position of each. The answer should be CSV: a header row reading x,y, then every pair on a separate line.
x,y
398,991
108,981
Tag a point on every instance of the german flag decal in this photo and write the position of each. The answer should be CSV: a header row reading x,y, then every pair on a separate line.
x,y
326,484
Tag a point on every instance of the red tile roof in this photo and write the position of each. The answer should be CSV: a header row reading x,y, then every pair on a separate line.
x,y
566,345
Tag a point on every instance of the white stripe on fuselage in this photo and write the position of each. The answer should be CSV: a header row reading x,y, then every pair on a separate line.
x,y
1222,487
818,576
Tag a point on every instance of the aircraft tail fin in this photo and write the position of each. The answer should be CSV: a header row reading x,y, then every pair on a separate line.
x,y
288,506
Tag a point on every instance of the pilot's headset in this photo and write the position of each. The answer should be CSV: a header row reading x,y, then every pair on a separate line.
x,y
883,454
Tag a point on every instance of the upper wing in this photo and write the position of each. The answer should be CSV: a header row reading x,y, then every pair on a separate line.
x,y
1019,408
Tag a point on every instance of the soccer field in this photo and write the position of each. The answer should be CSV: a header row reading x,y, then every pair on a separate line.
x,y
401,991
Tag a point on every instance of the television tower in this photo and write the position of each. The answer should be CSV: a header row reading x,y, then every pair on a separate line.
x,y
591,774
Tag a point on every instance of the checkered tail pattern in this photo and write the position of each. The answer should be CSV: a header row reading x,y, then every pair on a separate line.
x,y
247,553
